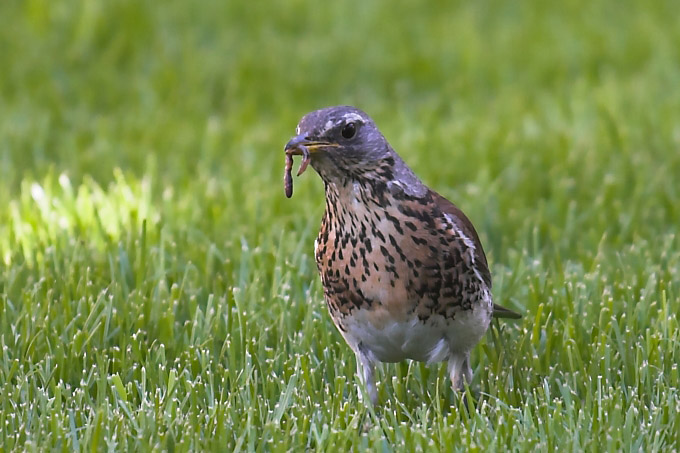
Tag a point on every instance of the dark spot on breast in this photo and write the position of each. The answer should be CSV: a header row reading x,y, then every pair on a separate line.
x,y
395,222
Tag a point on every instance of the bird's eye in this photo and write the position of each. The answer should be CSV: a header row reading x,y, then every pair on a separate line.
x,y
349,130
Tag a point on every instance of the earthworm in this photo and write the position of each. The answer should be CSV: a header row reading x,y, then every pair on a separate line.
x,y
305,160
287,178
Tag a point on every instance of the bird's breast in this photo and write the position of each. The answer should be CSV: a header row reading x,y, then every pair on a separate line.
x,y
389,265
367,259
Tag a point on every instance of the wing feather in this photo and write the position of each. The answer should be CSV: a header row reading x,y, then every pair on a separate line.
x,y
465,225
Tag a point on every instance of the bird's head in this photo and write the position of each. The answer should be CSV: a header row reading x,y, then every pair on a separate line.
x,y
342,143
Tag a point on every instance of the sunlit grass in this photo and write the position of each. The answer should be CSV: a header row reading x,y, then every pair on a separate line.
x,y
158,292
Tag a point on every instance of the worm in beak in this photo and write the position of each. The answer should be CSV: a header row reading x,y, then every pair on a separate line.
x,y
299,150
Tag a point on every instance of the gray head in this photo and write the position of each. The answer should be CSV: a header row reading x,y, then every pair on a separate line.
x,y
342,141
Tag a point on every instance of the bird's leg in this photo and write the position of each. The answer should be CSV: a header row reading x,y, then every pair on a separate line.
x,y
459,370
460,373
367,373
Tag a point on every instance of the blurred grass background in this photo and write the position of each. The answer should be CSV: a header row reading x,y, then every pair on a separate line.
x,y
157,291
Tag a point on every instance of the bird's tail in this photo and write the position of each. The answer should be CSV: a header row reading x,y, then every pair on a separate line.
x,y
502,312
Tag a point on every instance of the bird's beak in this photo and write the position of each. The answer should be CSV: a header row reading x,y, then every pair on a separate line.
x,y
305,147
297,145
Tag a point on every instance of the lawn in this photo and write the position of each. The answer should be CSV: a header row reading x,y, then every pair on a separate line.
x,y
159,292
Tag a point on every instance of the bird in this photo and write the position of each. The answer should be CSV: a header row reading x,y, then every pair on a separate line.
x,y
403,270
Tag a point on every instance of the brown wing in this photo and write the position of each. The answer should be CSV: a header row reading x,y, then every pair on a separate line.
x,y
480,258
469,230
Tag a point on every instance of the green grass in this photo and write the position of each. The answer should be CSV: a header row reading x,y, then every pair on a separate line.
x,y
157,291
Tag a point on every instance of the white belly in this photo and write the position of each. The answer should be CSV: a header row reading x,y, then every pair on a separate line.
x,y
428,341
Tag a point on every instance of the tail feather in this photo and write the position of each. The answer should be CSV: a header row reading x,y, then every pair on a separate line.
x,y
502,312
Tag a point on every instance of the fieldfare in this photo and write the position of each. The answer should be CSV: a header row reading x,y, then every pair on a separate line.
x,y
403,270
